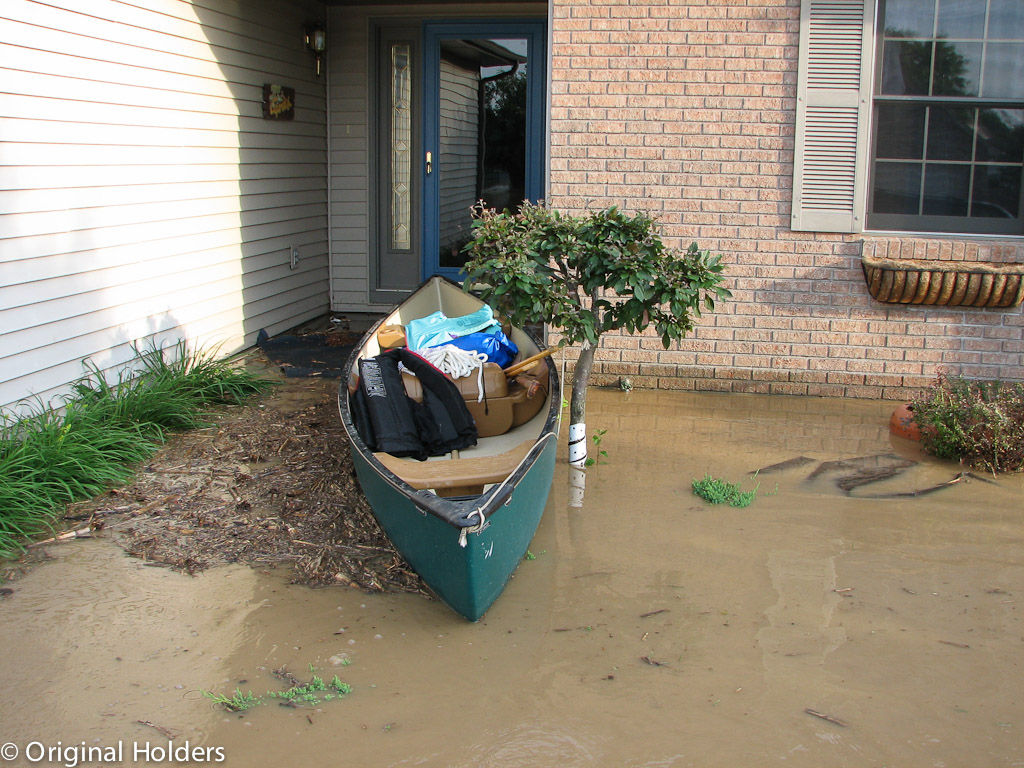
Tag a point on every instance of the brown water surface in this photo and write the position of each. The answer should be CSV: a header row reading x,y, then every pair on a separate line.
x,y
649,629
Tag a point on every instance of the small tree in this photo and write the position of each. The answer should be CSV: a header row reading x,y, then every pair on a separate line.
x,y
586,275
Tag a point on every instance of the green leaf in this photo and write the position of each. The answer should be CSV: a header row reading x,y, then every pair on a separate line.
x,y
545,265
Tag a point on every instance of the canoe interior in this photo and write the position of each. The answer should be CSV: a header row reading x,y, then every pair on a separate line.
x,y
439,294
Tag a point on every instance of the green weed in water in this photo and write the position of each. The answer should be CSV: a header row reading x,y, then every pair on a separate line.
x,y
313,693
340,687
716,491
597,437
238,702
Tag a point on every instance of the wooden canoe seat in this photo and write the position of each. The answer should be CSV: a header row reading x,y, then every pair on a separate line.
x,y
469,473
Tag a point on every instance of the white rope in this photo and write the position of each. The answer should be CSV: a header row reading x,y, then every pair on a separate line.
x,y
464,533
458,363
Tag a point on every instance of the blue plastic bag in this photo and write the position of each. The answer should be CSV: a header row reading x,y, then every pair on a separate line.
x,y
492,342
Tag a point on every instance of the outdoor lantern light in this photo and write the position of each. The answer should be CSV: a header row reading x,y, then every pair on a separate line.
x,y
316,41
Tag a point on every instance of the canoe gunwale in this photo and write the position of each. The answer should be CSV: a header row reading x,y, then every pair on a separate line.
x,y
465,513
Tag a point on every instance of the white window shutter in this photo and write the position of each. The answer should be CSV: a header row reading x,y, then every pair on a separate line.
x,y
833,112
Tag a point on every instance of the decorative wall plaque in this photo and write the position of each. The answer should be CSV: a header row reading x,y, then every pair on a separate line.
x,y
278,102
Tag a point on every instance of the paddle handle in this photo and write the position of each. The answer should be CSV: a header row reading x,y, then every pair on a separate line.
x,y
523,365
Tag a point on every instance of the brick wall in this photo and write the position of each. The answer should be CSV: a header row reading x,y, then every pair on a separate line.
x,y
686,109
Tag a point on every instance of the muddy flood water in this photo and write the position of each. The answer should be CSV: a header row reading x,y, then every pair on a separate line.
x,y
833,622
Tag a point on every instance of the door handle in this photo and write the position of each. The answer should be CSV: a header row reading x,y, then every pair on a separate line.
x,y
430,163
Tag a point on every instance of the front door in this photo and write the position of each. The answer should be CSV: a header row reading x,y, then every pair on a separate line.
x,y
470,128
483,129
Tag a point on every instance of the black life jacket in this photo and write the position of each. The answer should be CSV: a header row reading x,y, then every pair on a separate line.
x,y
389,420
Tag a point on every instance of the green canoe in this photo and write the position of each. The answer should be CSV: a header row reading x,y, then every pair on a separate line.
x,y
464,520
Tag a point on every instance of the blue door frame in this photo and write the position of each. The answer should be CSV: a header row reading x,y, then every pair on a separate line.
x,y
534,31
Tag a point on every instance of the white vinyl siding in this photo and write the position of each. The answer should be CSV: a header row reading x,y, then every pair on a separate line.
x,y
349,216
833,115
142,194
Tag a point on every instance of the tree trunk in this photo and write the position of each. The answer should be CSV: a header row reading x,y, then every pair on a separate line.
x,y
578,407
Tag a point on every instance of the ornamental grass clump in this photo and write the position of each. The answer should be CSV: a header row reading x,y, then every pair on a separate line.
x,y
979,423
50,457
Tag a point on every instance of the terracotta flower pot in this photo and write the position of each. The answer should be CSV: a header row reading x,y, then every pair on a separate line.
x,y
902,423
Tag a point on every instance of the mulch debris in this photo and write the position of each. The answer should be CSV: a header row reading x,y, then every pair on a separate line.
x,y
271,483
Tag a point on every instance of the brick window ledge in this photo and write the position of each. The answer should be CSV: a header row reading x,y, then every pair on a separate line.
x,y
944,272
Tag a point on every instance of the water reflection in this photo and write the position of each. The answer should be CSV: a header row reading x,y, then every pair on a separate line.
x,y
534,744
650,629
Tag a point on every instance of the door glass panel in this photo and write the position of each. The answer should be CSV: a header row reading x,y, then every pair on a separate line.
x,y
395,182
482,137
401,147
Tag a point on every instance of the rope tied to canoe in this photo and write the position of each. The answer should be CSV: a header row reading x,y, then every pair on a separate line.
x,y
458,363
464,533
479,511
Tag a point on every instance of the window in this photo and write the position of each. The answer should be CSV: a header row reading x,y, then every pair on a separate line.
x,y
948,117
912,119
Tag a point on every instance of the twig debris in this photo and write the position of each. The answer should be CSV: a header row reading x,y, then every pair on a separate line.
x,y
271,484
955,645
161,729
826,717
653,613
652,662
81,533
